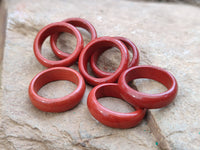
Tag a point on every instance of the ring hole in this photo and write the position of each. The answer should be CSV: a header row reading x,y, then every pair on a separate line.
x,y
116,104
46,50
148,86
130,52
108,61
66,42
57,89
85,34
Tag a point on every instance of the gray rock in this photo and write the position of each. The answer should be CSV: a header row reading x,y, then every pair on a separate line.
x,y
193,2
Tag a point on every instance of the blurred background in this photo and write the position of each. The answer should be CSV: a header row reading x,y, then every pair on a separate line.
x,y
193,2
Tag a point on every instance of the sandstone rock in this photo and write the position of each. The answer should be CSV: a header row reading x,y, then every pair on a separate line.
x,y
175,47
166,36
25,127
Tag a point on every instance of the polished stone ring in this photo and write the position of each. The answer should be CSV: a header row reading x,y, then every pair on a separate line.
x,y
55,28
96,45
106,116
57,104
133,62
77,22
144,100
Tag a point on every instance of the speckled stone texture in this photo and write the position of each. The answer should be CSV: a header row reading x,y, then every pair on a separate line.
x,y
166,35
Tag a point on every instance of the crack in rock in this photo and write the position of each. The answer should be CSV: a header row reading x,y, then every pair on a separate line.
x,y
82,143
13,131
155,129
175,132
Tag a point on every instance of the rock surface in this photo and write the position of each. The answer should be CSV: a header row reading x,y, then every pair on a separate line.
x,y
164,36
25,127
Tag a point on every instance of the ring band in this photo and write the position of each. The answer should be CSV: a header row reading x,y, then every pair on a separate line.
x,y
133,62
77,22
57,104
144,100
97,44
49,30
111,118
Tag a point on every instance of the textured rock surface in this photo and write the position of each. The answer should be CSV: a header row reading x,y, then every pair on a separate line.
x,y
175,47
165,37
2,36
25,127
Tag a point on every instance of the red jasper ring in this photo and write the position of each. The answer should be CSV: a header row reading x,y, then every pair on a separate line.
x,y
144,100
108,117
133,62
96,45
77,22
49,30
58,104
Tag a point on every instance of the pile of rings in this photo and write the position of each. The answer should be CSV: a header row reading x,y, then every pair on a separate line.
x,y
104,82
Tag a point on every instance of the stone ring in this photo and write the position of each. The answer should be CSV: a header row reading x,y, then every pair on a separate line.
x,y
57,104
143,100
111,118
133,62
77,22
51,29
96,45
